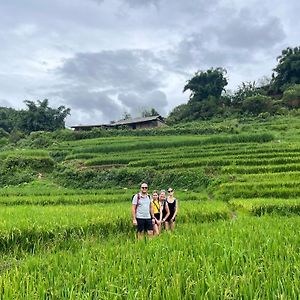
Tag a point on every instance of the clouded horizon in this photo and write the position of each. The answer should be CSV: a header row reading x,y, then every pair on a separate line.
x,y
103,58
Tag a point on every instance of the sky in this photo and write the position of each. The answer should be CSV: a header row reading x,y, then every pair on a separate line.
x,y
102,58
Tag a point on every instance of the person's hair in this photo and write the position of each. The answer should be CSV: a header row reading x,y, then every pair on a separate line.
x,y
155,192
162,191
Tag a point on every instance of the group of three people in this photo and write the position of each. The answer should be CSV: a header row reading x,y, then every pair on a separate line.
x,y
150,213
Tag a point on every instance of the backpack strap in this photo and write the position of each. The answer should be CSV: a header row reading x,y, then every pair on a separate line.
x,y
138,199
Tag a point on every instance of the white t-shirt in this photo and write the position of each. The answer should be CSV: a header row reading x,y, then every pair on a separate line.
x,y
143,207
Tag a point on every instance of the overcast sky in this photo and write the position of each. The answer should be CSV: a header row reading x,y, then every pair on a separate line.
x,y
104,57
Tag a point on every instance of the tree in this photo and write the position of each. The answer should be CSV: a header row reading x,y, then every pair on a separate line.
x,y
178,114
287,72
149,112
126,115
206,83
42,117
9,118
245,90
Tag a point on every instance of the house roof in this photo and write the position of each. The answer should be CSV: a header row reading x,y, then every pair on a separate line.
x,y
138,120
124,122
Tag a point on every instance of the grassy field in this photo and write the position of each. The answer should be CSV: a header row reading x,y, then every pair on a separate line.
x,y
68,234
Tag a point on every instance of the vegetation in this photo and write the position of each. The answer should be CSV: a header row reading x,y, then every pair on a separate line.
x,y
65,197
209,99
37,117
66,232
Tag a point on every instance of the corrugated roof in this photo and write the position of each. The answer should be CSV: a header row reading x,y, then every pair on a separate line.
x,y
124,122
137,120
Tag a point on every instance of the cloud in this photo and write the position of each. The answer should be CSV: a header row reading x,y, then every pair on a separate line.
x,y
136,103
95,106
102,57
112,82
121,69
5,103
242,39
141,3
248,32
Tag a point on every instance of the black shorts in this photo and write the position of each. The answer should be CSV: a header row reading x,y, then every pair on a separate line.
x,y
157,216
144,225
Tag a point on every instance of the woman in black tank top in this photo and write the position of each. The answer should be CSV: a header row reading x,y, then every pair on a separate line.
x,y
165,207
173,208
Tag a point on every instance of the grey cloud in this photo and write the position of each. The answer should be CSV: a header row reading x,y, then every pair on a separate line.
x,y
96,105
112,82
247,32
121,69
5,103
141,3
136,103
243,39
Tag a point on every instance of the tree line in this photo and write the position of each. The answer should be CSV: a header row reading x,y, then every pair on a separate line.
x,y
209,98
36,117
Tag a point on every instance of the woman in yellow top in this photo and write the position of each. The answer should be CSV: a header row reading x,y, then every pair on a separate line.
x,y
157,210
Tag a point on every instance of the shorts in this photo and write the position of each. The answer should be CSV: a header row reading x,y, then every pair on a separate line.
x,y
144,225
157,216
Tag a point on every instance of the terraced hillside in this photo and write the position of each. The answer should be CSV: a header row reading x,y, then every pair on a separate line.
x,y
66,233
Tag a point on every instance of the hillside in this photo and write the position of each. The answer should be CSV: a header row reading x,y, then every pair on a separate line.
x,y
66,230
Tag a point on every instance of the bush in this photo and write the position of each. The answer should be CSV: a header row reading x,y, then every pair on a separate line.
x,y
41,164
126,177
257,104
291,96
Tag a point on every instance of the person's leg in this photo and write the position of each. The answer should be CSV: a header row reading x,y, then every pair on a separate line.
x,y
140,228
140,235
172,225
149,227
155,230
167,227
159,228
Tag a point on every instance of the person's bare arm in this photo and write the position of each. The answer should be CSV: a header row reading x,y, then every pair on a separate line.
x,y
133,212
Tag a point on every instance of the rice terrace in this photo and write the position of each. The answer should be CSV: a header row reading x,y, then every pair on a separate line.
x,y
67,234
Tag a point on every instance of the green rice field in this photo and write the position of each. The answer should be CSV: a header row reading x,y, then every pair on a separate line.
x,y
68,234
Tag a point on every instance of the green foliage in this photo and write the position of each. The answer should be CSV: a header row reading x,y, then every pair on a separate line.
x,y
35,118
150,112
42,117
3,133
291,96
206,83
287,72
44,164
257,104
38,139
8,118
244,91
126,177
16,135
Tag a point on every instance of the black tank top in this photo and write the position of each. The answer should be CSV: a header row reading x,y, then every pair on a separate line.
x,y
172,206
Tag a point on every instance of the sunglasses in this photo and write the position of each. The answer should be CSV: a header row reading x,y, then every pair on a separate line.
x,y
144,187
170,191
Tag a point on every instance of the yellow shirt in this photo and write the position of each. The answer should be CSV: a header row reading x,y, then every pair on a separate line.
x,y
156,206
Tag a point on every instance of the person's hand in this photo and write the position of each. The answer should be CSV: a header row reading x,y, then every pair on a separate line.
x,y
153,221
158,222
134,222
